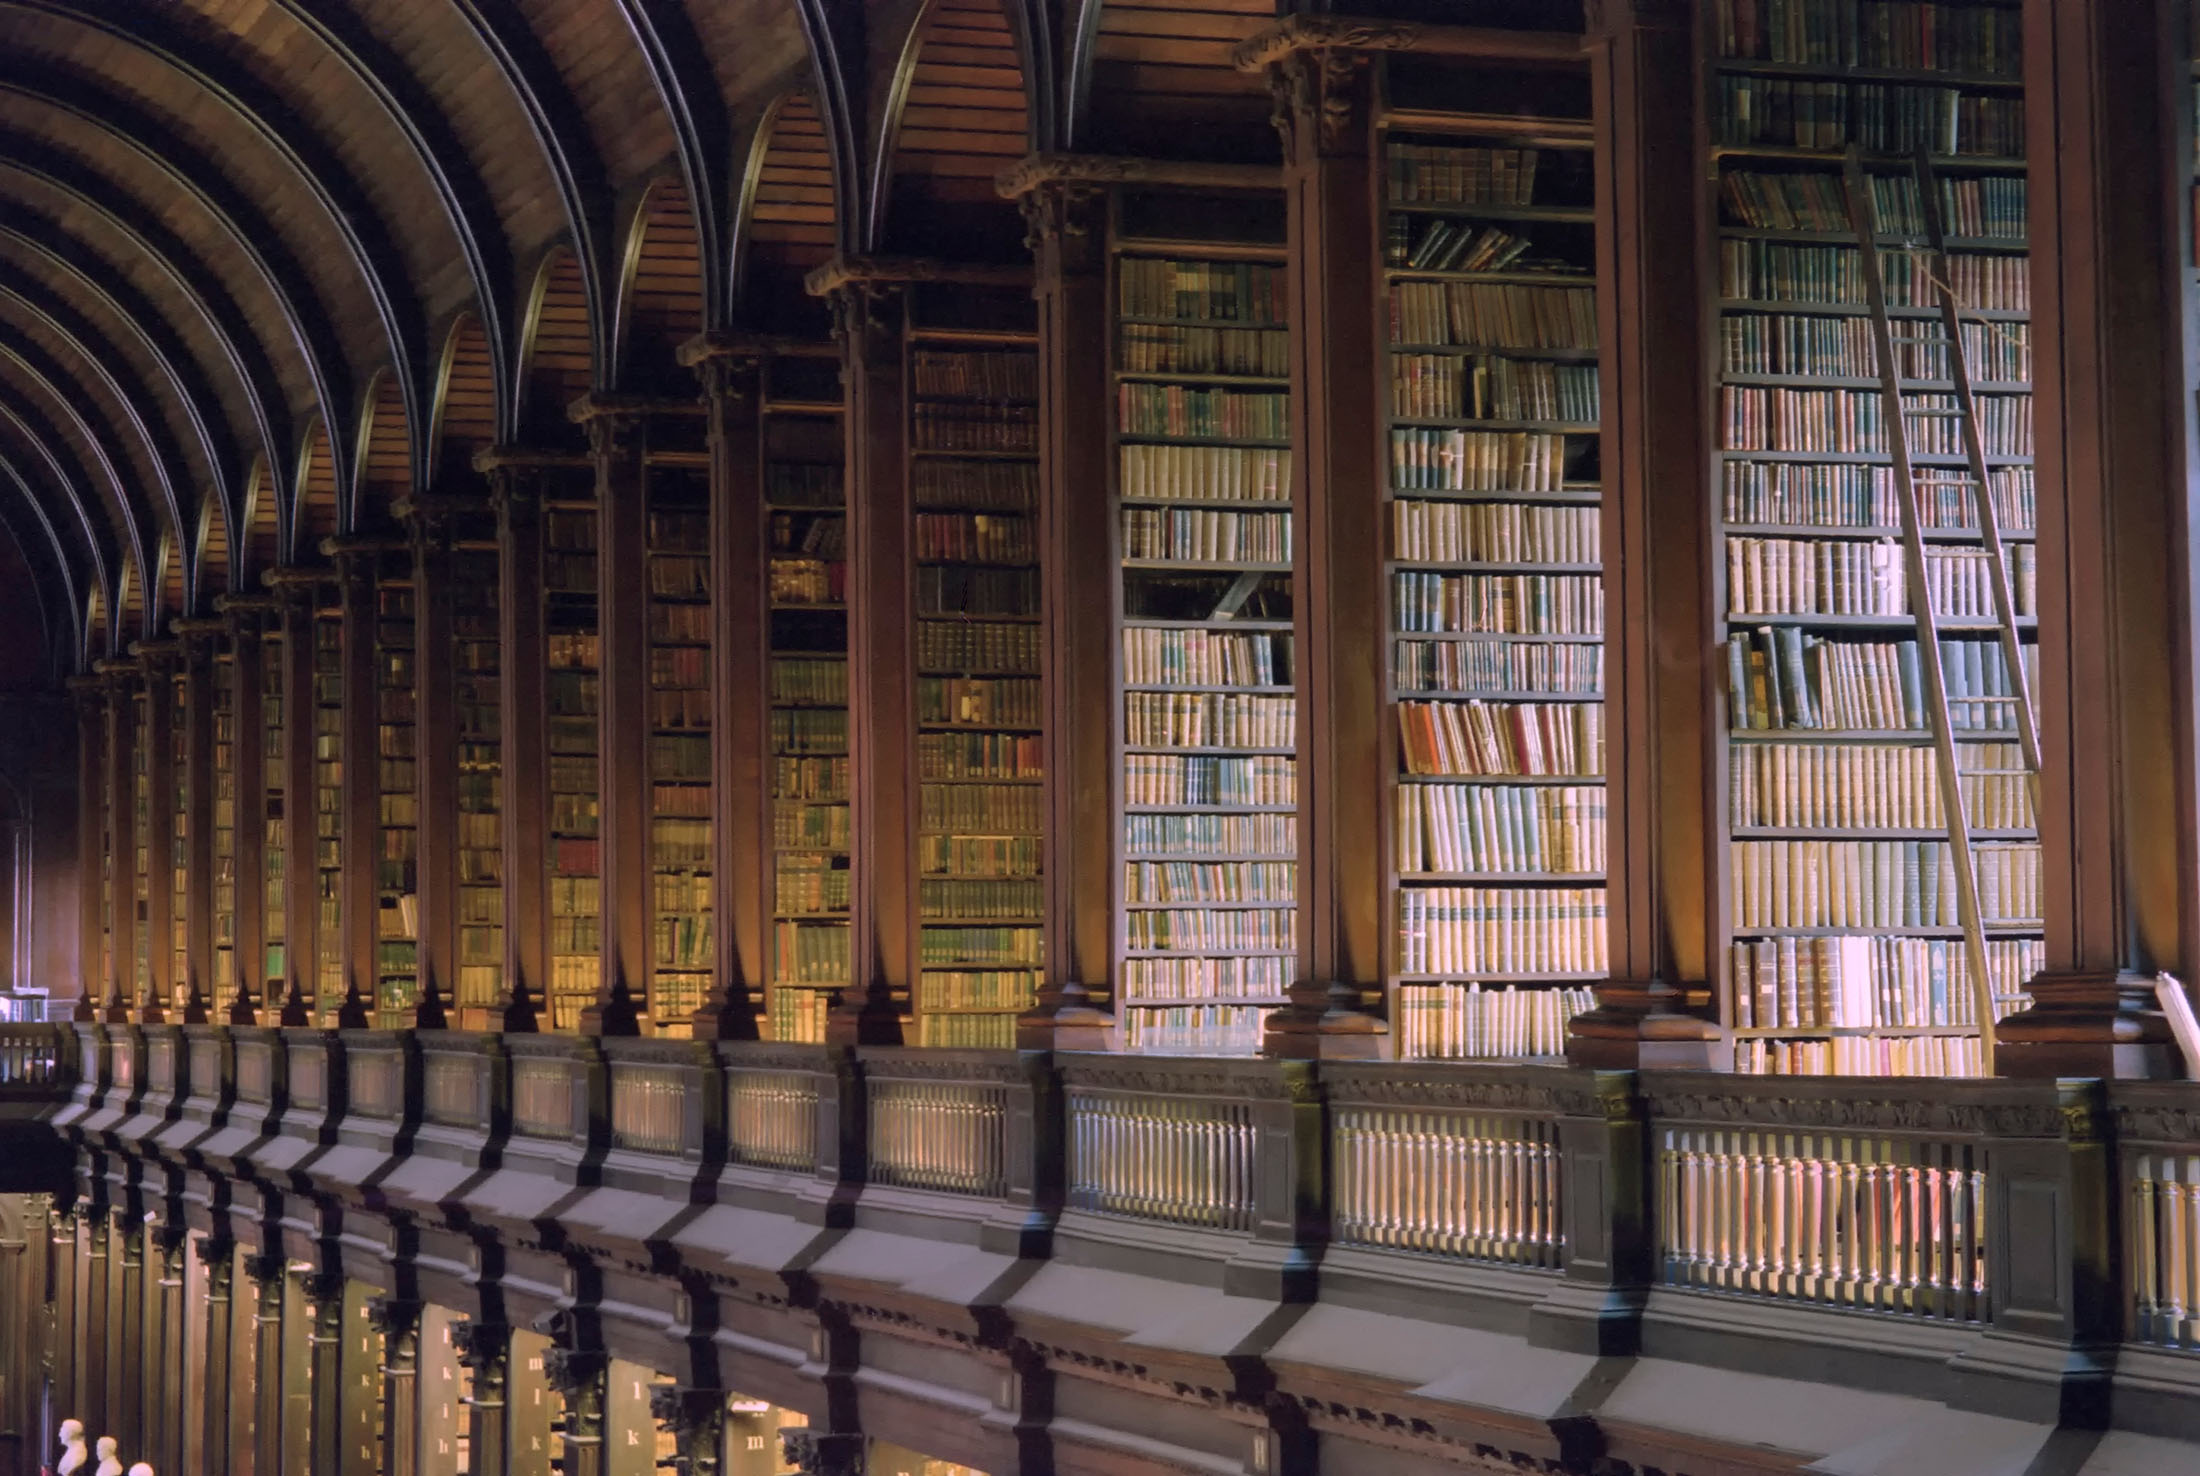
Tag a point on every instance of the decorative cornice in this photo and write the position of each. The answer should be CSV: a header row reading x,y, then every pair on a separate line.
x,y
1035,170
734,343
596,406
184,627
1943,1116
1296,33
900,271
499,458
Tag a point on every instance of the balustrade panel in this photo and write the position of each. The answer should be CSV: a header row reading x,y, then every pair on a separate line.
x,y
30,1057
771,1108
648,1108
1139,1149
934,1127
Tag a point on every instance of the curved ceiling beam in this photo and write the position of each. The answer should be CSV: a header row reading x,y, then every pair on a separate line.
x,y
42,594
36,370
584,185
71,598
367,238
1032,24
67,486
105,366
836,36
449,167
679,68
194,282
1083,33
217,446
256,238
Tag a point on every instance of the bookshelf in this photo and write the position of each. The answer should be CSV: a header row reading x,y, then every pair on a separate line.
x,y
575,659
476,673
1844,952
142,759
1207,792
679,745
179,838
274,762
805,508
223,842
974,444
328,808
397,789
1495,585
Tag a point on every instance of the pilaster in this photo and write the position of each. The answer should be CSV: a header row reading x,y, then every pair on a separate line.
x,y
431,521
217,1360
398,1321
696,1420
1661,851
165,1375
121,806
485,1348
360,834
297,592
90,695
159,659
580,1375
247,619
197,640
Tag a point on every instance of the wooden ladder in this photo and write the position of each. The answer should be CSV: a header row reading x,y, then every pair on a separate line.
x,y
1942,336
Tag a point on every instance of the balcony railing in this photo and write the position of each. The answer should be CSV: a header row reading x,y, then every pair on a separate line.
x,y
1950,1203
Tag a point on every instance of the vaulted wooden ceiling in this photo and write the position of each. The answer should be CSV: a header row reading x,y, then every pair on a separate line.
x,y
267,266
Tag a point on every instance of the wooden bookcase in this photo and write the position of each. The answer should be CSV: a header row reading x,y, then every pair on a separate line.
x,y
142,758
974,469
806,528
178,697
475,675
679,587
1495,598
574,652
1834,796
268,814
1206,796
328,808
397,790
227,814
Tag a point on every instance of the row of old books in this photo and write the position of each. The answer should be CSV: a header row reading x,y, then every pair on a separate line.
x,y
1206,658
985,945
978,646
1439,531
980,809
1198,535
1469,931
810,884
1784,678
977,856
1860,982
1827,576
1438,174
1491,387
971,756
1833,496
1449,459
1211,930
1257,835
1833,276
1171,779
1208,720
1245,977
1817,201
1494,315
1168,348
1453,828
1893,35
960,589
1478,738
1816,345
1201,291
1170,473
1851,786
1562,668
1193,413
1863,1055
975,989
977,899
1209,881
1002,374
1880,117
1471,1020
981,701
976,537
974,426
1520,604
977,486
1853,421
1194,1030
1878,884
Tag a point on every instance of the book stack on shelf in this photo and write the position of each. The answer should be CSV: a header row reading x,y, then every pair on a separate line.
x,y
179,842
1845,951
141,806
679,745
224,840
806,512
575,693
1496,590
975,447
1209,787
274,756
476,669
328,812
397,787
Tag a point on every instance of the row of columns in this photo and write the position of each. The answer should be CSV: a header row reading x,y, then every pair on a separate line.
x,y
2116,356
198,1354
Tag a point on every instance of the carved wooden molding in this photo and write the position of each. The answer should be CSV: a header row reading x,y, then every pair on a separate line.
x,y
845,271
1298,33
1036,170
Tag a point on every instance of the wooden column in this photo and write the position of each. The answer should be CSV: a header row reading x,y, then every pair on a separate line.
x,y
517,485
269,1276
1325,111
90,694
398,1321
431,520
2114,377
582,1376
246,618
485,1348
66,1328
125,1387
870,319
732,376
196,638
1065,224
159,738
218,1352
1662,855
618,436
121,753
361,827
297,592
164,1343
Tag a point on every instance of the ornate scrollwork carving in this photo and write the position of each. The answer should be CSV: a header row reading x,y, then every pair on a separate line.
x,y
1321,99
1061,213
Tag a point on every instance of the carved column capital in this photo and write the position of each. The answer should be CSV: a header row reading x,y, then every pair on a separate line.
x,y
696,1420
1323,100
817,1453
